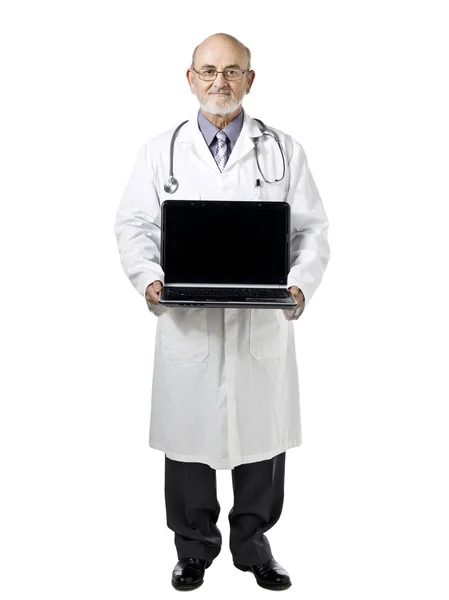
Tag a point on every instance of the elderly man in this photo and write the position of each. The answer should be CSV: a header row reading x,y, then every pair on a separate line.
x,y
225,389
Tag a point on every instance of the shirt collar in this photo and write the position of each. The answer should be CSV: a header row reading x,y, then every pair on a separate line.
x,y
209,130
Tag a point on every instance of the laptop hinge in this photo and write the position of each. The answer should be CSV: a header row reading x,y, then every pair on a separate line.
x,y
229,285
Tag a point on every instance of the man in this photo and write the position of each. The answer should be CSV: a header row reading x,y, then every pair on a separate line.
x,y
225,387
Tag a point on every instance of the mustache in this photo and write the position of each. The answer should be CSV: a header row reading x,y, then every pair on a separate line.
x,y
220,92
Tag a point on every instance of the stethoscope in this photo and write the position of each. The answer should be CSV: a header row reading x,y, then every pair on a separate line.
x,y
172,184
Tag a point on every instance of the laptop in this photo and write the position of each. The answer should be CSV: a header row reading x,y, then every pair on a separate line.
x,y
225,253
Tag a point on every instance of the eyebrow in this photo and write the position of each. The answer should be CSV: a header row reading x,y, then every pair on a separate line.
x,y
214,67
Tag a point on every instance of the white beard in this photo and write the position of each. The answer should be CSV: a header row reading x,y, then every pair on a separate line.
x,y
220,105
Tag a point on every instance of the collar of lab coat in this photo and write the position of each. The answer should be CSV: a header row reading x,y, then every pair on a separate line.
x,y
191,134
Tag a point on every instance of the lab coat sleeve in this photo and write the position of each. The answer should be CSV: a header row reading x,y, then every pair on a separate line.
x,y
137,228
309,247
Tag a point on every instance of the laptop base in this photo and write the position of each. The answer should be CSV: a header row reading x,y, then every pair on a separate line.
x,y
289,302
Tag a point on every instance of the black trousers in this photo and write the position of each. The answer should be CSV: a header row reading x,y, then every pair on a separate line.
x,y
193,508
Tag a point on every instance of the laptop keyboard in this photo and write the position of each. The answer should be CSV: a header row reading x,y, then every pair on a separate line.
x,y
228,292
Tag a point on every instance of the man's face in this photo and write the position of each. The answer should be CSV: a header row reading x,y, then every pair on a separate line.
x,y
220,97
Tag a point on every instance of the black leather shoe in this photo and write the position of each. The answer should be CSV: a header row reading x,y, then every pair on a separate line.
x,y
188,573
269,575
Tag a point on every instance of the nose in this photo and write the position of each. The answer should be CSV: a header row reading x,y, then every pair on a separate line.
x,y
220,81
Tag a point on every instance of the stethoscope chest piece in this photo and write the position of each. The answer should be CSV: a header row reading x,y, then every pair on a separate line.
x,y
171,185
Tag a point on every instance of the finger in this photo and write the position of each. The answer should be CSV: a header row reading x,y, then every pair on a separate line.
x,y
151,295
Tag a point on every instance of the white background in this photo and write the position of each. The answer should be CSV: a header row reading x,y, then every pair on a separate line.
x,y
363,87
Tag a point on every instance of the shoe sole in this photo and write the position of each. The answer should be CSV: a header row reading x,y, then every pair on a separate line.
x,y
187,587
264,585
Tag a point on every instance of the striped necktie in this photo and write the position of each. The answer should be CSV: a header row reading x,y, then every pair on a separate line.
x,y
221,152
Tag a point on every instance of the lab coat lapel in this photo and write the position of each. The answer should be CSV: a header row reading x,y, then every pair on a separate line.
x,y
244,143
191,134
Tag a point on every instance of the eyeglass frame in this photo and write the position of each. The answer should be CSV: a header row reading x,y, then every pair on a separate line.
x,y
216,73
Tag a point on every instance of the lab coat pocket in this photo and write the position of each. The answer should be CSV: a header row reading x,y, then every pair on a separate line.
x,y
273,192
268,336
185,335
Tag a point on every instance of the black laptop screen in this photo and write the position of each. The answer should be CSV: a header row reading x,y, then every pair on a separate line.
x,y
225,241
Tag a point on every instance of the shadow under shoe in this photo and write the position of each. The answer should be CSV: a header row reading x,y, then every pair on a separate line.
x,y
188,573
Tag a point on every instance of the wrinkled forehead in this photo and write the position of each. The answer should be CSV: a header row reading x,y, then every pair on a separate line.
x,y
220,55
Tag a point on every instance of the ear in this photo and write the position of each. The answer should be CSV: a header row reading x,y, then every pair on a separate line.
x,y
191,78
251,76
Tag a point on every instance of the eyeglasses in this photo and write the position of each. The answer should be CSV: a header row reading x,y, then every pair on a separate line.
x,y
228,74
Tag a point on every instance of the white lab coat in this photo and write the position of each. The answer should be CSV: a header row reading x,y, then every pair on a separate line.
x,y
225,383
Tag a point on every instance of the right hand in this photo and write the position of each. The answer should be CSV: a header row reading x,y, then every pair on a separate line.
x,y
152,292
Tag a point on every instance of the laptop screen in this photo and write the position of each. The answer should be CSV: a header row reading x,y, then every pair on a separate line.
x,y
232,242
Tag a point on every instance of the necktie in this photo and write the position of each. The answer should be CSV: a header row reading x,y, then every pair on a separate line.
x,y
221,152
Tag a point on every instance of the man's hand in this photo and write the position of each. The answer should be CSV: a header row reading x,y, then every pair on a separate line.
x,y
299,296
153,291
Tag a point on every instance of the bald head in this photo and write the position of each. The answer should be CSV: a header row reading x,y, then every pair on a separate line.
x,y
219,43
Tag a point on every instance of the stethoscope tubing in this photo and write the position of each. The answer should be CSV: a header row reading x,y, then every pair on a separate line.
x,y
171,180
273,134
172,184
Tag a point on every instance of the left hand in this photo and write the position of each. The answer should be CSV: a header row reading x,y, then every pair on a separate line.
x,y
299,296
